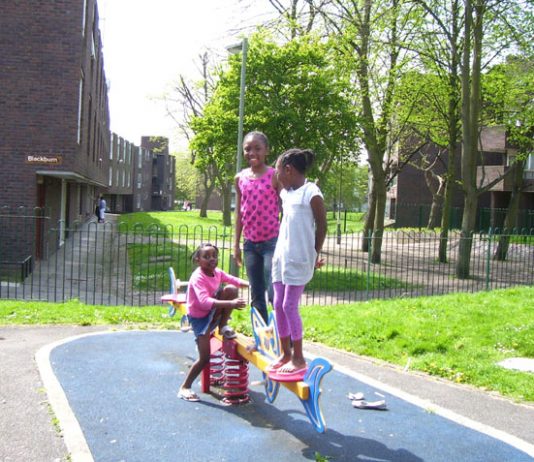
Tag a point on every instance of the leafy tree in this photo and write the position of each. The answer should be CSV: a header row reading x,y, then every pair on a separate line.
x,y
509,90
187,178
369,35
488,27
294,94
437,47
187,102
346,186
458,39
421,105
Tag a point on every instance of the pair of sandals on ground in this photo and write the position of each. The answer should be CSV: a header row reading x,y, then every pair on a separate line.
x,y
359,402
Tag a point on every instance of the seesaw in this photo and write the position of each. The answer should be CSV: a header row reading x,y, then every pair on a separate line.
x,y
228,367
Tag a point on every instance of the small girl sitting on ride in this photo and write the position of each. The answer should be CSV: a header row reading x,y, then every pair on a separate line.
x,y
302,234
212,294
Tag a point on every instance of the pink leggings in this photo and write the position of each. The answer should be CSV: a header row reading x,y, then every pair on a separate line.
x,y
286,306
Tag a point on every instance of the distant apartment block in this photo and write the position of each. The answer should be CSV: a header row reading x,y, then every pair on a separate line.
x,y
140,178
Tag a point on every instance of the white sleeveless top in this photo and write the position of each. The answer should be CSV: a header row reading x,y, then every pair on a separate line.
x,y
295,255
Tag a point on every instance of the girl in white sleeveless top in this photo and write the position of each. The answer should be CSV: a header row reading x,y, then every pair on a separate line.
x,y
301,237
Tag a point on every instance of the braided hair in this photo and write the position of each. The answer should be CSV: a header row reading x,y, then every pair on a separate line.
x,y
300,159
201,247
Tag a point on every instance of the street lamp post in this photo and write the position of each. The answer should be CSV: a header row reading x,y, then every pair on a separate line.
x,y
234,49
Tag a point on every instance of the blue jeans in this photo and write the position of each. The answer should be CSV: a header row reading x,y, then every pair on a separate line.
x,y
258,262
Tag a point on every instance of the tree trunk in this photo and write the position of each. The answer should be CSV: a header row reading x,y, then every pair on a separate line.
x,y
447,196
511,214
471,102
380,209
370,217
437,198
209,186
466,236
445,221
452,118
435,210
227,205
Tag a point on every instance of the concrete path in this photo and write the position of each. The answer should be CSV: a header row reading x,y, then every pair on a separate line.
x,y
121,387
26,430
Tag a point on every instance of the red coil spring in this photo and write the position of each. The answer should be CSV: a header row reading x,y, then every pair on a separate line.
x,y
235,383
217,368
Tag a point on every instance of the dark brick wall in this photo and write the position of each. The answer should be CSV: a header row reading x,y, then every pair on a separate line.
x,y
413,198
43,55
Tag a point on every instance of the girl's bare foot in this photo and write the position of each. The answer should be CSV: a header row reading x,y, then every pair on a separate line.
x,y
276,365
292,367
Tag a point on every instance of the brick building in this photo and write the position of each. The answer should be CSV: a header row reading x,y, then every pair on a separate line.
x,y
498,155
58,154
409,199
54,111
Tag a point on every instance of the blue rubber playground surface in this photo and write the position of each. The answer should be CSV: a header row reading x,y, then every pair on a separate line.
x,y
122,389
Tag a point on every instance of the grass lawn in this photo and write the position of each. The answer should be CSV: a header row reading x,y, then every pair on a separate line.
x,y
180,222
149,265
336,278
459,337
150,260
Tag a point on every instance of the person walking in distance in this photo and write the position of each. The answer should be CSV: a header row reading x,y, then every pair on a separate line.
x,y
101,209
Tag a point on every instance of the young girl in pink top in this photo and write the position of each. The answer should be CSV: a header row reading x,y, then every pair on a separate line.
x,y
257,210
209,305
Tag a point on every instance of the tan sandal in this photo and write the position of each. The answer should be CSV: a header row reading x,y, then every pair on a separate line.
x,y
188,395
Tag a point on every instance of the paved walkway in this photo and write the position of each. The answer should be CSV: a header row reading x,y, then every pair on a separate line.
x,y
121,388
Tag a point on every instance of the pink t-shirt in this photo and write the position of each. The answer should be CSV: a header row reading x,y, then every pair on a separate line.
x,y
202,288
259,207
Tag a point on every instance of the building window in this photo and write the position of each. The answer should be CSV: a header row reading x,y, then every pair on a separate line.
x,y
110,179
93,46
84,14
80,110
111,147
530,162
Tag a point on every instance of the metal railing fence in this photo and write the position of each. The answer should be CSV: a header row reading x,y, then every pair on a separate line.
x,y
417,216
113,264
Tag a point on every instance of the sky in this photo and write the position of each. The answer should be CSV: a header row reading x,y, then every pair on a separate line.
x,y
148,44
